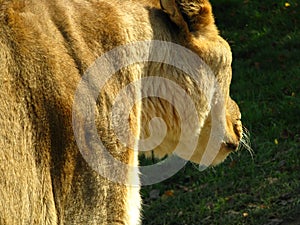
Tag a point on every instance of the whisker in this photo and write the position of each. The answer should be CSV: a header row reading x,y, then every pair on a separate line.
x,y
245,142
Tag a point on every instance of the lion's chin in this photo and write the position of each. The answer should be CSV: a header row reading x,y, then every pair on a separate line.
x,y
210,161
222,155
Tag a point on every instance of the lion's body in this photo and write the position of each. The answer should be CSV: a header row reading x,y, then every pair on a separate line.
x,y
45,48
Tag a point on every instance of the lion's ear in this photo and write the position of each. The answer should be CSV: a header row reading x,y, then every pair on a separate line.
x,y
172,9
193,15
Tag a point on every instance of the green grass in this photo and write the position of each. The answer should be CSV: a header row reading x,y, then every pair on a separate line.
x,y
265,40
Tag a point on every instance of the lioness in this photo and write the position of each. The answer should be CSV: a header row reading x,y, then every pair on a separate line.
x,y
46,47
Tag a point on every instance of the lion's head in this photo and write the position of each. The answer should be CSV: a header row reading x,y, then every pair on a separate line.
x,y
195,22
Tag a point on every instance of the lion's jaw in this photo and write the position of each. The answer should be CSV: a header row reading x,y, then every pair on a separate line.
x,y
229,131
230,141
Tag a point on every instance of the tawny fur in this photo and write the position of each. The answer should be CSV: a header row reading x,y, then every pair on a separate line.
x,y
45,48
